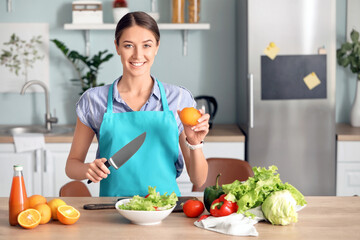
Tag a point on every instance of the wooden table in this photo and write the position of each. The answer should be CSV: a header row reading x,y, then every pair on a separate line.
x,y
323,218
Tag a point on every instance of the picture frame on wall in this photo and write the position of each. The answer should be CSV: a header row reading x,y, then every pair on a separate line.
x,y
24,55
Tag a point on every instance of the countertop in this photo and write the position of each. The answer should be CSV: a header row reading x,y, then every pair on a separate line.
x,y
219,133
325,217
345,132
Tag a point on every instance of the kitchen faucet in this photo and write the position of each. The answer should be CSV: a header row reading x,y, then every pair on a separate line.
x,y
48,119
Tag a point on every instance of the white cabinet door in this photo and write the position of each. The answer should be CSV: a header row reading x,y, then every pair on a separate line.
x,y
348,168
224,150
57,154
31,163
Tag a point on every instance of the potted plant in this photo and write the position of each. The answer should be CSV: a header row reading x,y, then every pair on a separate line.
x,y
86,67
120,9
349,56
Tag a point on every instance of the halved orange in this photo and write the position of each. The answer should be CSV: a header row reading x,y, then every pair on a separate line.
x,y
67,214
29,218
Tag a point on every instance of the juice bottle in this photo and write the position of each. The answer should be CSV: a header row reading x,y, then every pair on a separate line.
x,y
18,199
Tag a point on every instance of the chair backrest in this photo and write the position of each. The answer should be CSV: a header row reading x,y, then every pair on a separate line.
x,y
74,189
231,169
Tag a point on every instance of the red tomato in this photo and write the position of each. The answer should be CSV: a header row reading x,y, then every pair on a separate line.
x,y
193,208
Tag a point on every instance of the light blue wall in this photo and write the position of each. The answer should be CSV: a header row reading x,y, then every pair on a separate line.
x,y
209,68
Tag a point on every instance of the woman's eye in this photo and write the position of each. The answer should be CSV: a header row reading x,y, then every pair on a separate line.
x,y
147,46
128,46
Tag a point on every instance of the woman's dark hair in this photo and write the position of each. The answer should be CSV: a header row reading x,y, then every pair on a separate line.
x,y
140,19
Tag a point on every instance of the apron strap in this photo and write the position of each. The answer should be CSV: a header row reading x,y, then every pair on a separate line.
x,y
162,93
109,108
163,96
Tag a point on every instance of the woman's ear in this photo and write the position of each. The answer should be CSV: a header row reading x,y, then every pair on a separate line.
x,y
157,48
117,47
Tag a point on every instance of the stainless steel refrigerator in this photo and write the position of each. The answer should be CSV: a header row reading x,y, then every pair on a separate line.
x,y
288,123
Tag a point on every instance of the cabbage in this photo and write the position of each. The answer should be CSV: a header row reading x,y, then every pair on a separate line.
x,y
280,208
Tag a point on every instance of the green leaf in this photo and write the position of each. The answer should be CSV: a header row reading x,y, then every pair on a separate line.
x,y
354,35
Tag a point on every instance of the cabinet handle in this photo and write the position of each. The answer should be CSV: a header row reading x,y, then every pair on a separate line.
x,y
37,159
251,100
45,161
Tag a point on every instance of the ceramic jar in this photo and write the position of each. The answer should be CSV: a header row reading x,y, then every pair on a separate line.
x,y
120,9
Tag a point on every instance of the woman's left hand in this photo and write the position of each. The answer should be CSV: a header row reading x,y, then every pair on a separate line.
x,y
196,134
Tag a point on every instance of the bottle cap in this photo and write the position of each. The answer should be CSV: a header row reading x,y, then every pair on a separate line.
x,y
18,167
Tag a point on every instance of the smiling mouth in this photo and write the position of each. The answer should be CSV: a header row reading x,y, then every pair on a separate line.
x,y
137,64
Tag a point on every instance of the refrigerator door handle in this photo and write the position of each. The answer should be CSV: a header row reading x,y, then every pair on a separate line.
x,y
251,100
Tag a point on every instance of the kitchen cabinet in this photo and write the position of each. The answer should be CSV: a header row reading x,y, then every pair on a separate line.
x,y
44,170
348,161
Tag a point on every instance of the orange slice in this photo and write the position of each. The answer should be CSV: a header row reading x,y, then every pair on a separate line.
x,y
29,218
67,214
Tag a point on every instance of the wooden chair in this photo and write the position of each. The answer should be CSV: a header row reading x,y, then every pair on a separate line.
x,y
74,189
230,169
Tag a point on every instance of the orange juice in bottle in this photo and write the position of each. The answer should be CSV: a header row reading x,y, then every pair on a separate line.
x,y
18,199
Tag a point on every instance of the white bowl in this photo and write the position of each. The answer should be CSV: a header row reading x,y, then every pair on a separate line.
x,y
143,217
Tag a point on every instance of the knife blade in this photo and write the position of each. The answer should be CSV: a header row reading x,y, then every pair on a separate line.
x,y
125,153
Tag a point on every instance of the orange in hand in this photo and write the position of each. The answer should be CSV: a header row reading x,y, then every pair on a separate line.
x,y
29,218
189,116
67,214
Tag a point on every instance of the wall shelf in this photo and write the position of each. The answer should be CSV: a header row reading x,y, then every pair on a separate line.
x,y
185,27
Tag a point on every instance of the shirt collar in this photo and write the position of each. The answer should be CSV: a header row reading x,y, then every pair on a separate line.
x,y
154,92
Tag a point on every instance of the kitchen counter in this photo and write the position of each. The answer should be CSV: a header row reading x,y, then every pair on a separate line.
x,y
219,133
345,132
323,218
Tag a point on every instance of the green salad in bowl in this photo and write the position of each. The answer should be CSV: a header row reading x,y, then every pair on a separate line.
x,y
148,210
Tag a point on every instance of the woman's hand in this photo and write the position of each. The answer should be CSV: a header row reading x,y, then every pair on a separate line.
x,y
97,170
196,134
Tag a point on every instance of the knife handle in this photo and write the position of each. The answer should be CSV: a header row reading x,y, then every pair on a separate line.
x,y
107,164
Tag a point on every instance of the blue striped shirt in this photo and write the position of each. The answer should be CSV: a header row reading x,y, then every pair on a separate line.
x,y
93,103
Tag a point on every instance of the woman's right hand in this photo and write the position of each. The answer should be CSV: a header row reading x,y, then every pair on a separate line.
x,y
97,170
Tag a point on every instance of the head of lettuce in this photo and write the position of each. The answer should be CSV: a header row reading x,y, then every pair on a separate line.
x,y
280,208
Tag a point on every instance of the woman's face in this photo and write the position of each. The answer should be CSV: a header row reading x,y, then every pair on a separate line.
x,y
137,49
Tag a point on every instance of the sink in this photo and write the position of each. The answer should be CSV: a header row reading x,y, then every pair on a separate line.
x,y
56,130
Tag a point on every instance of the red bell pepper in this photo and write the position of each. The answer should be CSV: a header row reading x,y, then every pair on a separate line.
x,y
222,207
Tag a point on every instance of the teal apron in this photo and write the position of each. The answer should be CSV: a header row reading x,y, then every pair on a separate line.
x,y
154,163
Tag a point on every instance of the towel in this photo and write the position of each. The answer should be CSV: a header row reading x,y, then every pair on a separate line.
x,y
235,224
28,142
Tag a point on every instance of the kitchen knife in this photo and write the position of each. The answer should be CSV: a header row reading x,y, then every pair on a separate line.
x,y
125,153
98,206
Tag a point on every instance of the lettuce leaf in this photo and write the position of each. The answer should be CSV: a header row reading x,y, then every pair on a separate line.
x,y
154,201
256,189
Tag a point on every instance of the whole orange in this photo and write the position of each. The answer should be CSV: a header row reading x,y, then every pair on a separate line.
x,y
54,204
189,116
67,214
45,212
35,200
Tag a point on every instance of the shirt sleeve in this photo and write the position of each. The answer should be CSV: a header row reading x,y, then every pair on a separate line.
x,y
83,109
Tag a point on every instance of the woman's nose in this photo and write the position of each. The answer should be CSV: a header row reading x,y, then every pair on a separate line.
x,y
137,52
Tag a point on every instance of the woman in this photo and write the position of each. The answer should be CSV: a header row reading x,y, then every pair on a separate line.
x,y
137,102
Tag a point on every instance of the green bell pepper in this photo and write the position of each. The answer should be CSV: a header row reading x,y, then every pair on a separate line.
x,y
211,193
